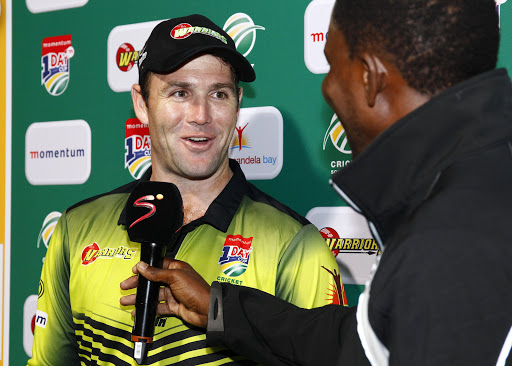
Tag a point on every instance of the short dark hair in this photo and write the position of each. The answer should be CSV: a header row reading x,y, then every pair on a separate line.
x,y
145,80
434,44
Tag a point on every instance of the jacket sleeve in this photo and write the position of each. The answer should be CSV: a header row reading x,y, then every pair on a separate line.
x,y
269,330
54,336
307,274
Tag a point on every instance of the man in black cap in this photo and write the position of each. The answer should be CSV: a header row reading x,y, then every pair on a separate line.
x,y
429,120
188,95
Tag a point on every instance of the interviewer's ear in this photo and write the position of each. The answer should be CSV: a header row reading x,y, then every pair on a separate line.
x,y
374,77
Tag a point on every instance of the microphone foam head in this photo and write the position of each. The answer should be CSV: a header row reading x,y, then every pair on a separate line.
x,y
154,212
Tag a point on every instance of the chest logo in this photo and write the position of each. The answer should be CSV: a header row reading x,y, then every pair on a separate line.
x,y
93,251
235,255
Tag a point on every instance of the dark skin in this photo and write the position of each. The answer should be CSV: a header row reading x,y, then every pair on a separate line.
x,y
367,93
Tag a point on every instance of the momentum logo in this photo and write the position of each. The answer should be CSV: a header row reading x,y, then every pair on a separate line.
x,y
57,52
138,148
58,152
316,24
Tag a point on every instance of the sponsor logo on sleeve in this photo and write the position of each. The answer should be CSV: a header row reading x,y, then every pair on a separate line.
x,y
316,25
41,319
58,152
41,6
257,143
55,61
347,234
235,255
138,148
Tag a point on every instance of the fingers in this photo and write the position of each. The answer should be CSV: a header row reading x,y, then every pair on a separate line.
x,y
130,283
128,300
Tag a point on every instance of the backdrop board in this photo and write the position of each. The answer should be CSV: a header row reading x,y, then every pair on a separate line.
x,y
74,132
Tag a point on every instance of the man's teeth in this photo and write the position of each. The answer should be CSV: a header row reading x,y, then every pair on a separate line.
x,y
198,139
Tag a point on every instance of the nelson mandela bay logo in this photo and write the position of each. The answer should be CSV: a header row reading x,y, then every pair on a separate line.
x,y
235,255
240,139
55,61
242,29
336,137
92,252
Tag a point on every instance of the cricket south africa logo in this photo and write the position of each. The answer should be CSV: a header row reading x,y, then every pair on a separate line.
x,y
336,133
235,255
55,61
48,227
242,29
138,148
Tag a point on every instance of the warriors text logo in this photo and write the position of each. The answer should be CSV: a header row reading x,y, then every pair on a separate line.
x,y
57,51
138,148
93,251
126,57
184,30
235,255
348,245
242,29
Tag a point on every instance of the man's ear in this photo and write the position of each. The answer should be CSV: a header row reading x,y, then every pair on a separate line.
x,y
139,104
375,76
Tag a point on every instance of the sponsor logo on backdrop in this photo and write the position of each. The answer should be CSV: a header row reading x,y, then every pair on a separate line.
x,y
257,143
41,6
336,137
92,252
235,255
316,25
46,232
58,152
242,29
137,158
126,57
29,323
55,61
124,46
498,4
347,234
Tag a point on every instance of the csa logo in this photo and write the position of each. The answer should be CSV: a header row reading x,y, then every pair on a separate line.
x,y
126,57
48,227
242,29
138,148
338,139
57,52
235,255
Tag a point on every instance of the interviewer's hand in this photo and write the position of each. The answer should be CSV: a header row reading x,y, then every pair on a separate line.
x,y
185,294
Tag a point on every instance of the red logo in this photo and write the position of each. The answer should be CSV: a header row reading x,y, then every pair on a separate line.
x,y
90,253
139,202
126,57
330,233
181,31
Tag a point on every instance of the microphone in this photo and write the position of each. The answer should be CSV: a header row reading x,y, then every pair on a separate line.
x,y
154,215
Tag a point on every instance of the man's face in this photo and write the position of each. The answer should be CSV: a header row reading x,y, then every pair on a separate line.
x,y
344,91
192,114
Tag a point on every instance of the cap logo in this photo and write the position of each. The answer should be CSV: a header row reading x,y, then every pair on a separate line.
x,y
185,30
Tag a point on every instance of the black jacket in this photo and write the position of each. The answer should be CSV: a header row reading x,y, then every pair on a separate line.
x,y
436,188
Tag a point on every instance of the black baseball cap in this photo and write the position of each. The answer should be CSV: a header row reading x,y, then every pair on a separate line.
x,y
176,41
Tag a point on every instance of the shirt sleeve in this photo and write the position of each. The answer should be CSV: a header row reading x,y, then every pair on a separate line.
x,y
307,274
269,330
54,336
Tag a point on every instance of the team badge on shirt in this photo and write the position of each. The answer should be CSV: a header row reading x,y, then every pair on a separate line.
x,y
235,255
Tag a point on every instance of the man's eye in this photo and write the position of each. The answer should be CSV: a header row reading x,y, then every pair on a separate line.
x,y
181,93
220,95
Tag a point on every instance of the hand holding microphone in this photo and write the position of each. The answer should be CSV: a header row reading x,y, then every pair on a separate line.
x,y
154,216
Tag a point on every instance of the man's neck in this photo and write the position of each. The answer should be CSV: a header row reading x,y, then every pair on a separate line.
x,y
197,195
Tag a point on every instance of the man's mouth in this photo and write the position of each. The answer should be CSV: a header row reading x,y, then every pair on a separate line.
x,y
198,139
